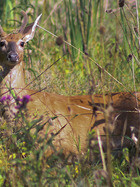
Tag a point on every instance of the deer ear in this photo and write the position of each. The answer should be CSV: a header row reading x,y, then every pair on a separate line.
x,y
29,31
2,33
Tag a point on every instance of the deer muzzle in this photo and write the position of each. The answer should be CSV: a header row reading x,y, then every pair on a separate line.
x,y
12,57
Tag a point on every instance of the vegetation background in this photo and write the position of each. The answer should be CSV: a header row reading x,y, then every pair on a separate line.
x,y
94,47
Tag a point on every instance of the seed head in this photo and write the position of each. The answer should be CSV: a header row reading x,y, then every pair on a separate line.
x,y
121,3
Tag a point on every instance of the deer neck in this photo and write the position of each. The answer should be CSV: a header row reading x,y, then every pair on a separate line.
x,y
11,78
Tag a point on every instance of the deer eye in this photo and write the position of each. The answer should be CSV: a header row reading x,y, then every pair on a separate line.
x,y
2,44
22,44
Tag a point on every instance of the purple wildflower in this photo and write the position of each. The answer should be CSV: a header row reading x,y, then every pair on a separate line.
x,y
18,99
5,98
8,97
18,106
26,99
21,103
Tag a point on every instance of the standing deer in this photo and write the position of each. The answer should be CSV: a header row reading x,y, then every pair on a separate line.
x,y
70,118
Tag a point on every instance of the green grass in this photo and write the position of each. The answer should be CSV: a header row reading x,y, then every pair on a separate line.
x,y
98,63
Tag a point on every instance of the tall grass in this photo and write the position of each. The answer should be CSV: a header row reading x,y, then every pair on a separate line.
x,y
105,43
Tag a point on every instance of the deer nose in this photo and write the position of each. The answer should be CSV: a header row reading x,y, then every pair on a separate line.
x,y
13,57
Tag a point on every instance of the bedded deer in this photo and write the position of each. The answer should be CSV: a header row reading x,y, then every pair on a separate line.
x,y
70,118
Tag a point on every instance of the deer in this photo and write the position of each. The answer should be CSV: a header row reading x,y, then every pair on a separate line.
x,y
69,118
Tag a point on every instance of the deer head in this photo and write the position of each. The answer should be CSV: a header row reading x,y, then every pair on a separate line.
x,y
11,63
12,45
